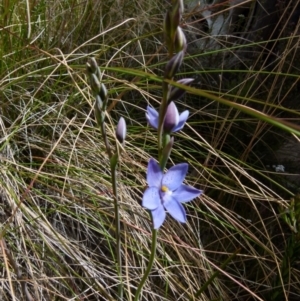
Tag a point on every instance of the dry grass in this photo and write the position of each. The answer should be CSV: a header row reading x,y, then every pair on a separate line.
x,y
56,204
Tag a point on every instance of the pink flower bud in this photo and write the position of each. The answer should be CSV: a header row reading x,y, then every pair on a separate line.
x,y
121,130
175,92
174,64
171,117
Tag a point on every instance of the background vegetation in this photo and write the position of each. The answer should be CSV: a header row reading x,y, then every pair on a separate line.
x,y
56,206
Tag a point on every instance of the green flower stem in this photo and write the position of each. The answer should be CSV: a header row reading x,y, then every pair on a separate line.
x,y
150,264
113,165
162,113
167,148
104,136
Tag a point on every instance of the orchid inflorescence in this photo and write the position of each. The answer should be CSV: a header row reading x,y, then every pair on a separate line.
x,y
101,97
166,191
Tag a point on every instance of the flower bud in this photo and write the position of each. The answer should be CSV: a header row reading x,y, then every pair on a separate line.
x,y
93,71
180,40
173,65
172,21
91,65
103,95
171,117
176,13
178,6
121,130
99,103
99,112
95,84
168,29
175,92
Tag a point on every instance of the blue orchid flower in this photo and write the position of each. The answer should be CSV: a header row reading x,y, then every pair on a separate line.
x,y
173,121
166,192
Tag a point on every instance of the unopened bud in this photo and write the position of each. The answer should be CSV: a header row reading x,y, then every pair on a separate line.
x,y
91,65
121,130
178,5
180,40
175,92
173,65
176,14
99,111
95,84
103,94
171,117
99,103
168,29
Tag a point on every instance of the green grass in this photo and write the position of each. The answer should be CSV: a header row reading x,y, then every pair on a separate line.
x,y
56,203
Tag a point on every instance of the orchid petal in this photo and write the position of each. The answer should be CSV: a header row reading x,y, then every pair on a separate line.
x,y
151,198
176,210
175,176
171,117
166,196
182,120
158,216
152,117
186,193
166,192
154,174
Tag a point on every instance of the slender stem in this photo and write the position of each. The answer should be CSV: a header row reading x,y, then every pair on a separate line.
x,y
104,136
162,113
113,165
150,264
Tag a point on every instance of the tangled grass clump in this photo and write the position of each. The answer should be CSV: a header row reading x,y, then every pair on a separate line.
x,y
241,241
